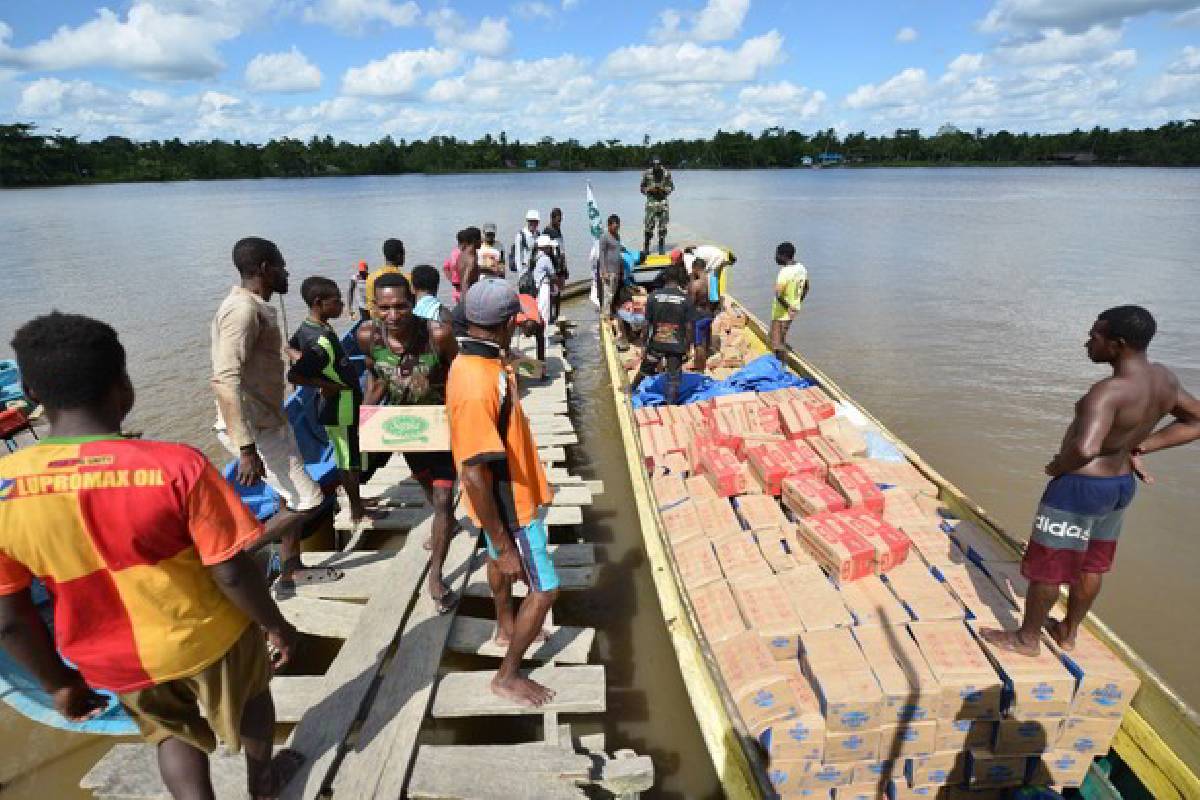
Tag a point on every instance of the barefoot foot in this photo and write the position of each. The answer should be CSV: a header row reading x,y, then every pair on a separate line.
x,y
1058,632
502,639
1011,640
522,690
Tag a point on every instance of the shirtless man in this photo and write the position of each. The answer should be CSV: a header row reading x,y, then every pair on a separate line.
x,y
698,294
1092,477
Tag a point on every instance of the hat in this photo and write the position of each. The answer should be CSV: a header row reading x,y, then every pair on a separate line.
x,y
491,301
546,241
489,227
532,214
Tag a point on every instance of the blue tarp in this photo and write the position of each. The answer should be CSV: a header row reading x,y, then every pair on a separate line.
x,y
763,374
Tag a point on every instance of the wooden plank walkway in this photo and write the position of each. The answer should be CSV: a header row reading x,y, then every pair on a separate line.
x,y
357,725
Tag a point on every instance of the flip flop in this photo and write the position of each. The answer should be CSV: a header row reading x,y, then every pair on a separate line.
x,y
446,603
312,576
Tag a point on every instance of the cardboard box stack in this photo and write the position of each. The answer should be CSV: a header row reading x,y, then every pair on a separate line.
x,y
855,665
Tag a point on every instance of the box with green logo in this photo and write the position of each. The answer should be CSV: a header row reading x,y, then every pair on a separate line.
x,y
403,429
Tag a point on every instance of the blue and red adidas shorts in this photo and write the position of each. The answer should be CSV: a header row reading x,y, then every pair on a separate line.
x,y
1076,528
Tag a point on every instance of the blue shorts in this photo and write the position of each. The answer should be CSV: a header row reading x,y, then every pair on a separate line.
x,y
531,546
1077,526
703,330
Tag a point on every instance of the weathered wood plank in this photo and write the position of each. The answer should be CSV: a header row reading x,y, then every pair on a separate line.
x,y
130,772
294,695
556,439
499,772
396,519
332,618
364,571
569,578
572,496
572,554
577,690
550,423
564,515
552,455
378,763
564,645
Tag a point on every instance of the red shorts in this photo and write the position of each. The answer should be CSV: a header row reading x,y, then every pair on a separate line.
x,y
1048,565
1077,526
529,310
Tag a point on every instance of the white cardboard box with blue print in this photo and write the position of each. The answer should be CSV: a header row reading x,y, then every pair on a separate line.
x,y
403,429
851,699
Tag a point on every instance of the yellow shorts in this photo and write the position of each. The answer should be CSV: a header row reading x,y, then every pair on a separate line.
x,y
222,689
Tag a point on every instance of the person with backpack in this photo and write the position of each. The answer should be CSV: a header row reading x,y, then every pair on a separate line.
x,y
521,253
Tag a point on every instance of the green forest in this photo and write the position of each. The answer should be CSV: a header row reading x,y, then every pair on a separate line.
x,y
29,157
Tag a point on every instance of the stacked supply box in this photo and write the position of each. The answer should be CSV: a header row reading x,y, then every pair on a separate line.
x,y
851,699
910,691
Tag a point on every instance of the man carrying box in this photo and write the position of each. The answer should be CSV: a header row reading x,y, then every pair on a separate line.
x,y
1092,482
503,479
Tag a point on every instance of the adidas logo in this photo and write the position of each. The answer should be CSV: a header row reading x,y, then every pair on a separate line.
x,y
1045,525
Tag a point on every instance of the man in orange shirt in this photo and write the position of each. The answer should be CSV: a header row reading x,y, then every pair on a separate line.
x,y
503,479
141,545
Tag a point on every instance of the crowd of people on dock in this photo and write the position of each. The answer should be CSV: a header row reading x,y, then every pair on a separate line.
x,y
152,556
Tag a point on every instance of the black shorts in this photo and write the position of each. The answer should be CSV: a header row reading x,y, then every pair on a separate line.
x,y
435,469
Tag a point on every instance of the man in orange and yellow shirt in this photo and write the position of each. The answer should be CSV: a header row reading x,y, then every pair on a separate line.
x,y
140,545
503,479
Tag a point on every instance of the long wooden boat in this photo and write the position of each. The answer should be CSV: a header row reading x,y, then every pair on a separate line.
x,y
1159,737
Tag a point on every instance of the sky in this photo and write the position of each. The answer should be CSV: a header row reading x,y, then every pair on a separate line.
x,y
592,69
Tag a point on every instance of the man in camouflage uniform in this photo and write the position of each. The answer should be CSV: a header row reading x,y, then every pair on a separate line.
x,y
657,185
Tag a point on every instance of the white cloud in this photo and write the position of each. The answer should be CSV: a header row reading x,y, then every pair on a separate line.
x,y
1054,46
534,9
398,74
784,103
1072,15
903,89
451,30
1119,59
147,42
1188,19
498,84
352,16
718,21
1187,63
567,5
906,35
282,72
687,62
963,64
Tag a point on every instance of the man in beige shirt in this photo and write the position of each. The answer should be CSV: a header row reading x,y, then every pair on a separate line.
x,y
248,380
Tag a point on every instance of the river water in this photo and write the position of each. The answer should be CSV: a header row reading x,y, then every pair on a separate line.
x,y
953,303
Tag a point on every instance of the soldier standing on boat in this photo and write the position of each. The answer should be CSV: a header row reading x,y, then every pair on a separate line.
x,y
657,185
1074,539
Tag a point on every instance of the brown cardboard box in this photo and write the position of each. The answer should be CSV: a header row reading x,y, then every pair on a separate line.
x,y
1087,734
1007,575
845,434
910,690
901,474
717,518
760,512
987,770
403,429
938,768
800,555
975,590
891,546
908,739
981,544
829,451
807,495
970,687
872,603
795,778
700,489
717,611
764,705
837,547
805,459
802,734
745,662
768,611
936,547
673,464
682,522
874,773
964,734
669,490
924,595
728,476
861,791
775,551
819,403
796,420
899,507
697,563
851,746
902,791
1107,686
858,489
850,698
740,558
1039,687
815,599
1023,737
1061,768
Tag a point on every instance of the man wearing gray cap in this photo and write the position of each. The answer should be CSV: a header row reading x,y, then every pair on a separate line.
x,y
503,480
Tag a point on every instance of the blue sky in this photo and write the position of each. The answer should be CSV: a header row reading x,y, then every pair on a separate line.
x,y
592,69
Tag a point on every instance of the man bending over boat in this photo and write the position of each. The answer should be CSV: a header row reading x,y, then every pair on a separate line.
x,y
248,381
143,547
503,479
1092,482
702,327
408,359
670,316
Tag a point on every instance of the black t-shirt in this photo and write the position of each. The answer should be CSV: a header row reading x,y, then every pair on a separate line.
x,y
458,319
314,359
669,312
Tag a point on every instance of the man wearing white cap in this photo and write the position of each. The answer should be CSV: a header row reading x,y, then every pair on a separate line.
x,y
520,256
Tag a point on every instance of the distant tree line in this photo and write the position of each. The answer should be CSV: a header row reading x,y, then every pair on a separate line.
x,y
30,158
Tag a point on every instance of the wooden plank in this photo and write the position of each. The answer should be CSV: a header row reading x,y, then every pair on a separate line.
x,y
595,487
564,515
578,690
552,455
330,618
544,407
559,475
564,645
130,772
572,496
555,439
569,579
1156,766
349,678
378,764
294,695
530,772
396,519
405,493
551,423
572,554
364,573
